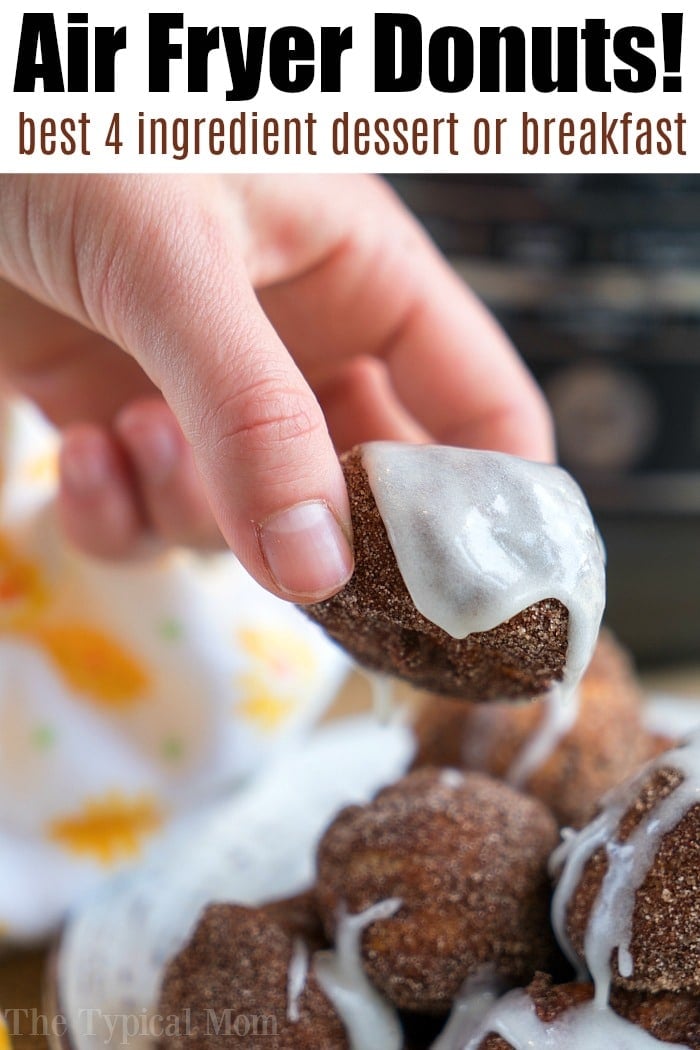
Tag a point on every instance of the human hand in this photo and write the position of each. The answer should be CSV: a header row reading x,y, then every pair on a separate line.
x,y
198,337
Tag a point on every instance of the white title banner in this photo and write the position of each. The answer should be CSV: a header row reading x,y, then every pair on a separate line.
x,y
439,87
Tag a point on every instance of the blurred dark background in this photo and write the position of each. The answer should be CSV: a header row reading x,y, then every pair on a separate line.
x,y
597,281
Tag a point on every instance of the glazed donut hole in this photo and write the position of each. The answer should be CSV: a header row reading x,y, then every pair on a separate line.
x,y
525,650
467,858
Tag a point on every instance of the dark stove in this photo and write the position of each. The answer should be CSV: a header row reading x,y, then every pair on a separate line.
x,y
597,281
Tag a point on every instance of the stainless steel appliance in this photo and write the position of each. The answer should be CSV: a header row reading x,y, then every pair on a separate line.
x,y
597,281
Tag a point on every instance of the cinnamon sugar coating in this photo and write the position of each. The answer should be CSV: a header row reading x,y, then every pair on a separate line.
x,y
468,858
606,744
232,975
665,941
299,917
668,1017
375,620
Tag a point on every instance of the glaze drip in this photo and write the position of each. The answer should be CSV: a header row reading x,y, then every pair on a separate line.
x,y
296,978
480,536
610,923
476,999
560,711
585,1027
383,693
370,1020
594,1024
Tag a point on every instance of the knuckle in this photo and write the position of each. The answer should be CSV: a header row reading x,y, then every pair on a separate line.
x,y
130,247
93,243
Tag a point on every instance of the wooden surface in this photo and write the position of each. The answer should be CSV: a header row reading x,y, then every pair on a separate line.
x,y
21,976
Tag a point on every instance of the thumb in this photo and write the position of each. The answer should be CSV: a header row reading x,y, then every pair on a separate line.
x,y
166,282
263,450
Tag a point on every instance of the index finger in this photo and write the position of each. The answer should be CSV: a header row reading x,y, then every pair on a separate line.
x,y
381,288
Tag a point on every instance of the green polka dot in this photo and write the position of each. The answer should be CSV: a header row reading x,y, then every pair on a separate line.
x,y
171,629
173,748
43,737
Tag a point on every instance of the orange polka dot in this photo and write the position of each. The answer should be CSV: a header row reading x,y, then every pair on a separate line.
x,y
93,664
42,469
5,1042
108,829
279,651
23,593
262,705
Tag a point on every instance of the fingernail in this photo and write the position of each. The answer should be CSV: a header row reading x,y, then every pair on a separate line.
x,y
152,444
306,551
85,465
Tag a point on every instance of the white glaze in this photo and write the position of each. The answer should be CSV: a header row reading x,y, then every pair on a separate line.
x,y
370,1020
480,536
476,998
610,923
559,714
383,690
296,978
592,1025
452,778
582,1028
